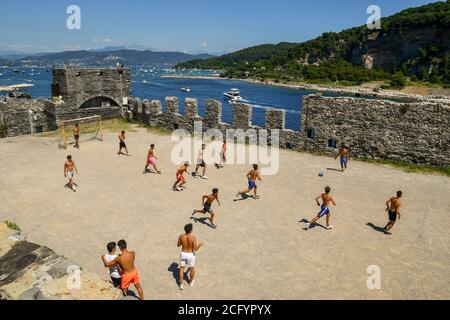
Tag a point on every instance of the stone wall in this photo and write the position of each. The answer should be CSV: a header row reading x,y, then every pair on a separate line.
x,y
25,116
90,91
375,129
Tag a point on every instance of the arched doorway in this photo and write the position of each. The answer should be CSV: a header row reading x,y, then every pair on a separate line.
x,y
98,102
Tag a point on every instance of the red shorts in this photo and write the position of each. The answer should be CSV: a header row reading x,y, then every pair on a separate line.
x,y
181,178
130,278
151,161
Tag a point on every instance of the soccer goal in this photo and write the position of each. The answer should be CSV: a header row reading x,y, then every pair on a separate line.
x,y
91,128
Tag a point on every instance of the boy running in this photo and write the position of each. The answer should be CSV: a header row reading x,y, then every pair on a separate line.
x,y
189,246
181,180
393,208
122,144
126,263
115,271
252,177
344,152
327,200
76,136
151,160
207,202
201,163
69,169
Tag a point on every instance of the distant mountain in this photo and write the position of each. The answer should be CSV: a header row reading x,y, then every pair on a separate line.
x,y
414,42
107,58
108,49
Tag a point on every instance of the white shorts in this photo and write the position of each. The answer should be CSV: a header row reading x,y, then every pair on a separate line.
x,y
70,174
187,260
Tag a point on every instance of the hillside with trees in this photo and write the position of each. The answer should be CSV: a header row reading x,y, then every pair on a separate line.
x,y
413,43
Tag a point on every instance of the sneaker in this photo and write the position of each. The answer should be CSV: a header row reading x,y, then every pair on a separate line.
x,y
214,226
308,225
192,283
181,287
330,228
205,178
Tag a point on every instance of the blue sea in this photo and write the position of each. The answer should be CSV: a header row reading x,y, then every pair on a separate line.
x,y
147,83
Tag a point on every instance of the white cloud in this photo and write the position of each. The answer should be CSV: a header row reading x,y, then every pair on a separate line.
x,y
205,44
104,40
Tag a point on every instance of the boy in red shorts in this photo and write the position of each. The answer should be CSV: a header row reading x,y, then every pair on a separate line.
x,y
181,180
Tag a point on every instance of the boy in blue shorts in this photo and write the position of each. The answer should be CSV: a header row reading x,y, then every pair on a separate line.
x,y
252,176
327,200
344,152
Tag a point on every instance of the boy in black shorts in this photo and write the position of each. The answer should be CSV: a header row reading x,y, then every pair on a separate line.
x,y
207,202
122,144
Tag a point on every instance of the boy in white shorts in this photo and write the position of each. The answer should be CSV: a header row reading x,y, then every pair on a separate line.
x,y
189,246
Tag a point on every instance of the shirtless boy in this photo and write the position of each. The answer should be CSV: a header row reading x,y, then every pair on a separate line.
x,y
122,144
327,200
201,163
69,169
151,160
252,177
207,202
181,180
344,153
76,136
223,155
189,246
129,272
393,208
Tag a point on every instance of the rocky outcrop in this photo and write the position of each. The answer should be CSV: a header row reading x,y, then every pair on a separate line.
x,y
32,272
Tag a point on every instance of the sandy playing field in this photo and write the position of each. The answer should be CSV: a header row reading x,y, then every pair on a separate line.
x,y
260,250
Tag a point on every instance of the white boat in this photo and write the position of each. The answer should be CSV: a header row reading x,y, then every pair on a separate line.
x,y
233,95
186,89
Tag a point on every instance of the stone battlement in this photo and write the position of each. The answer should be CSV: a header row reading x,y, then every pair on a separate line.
x,y
417,132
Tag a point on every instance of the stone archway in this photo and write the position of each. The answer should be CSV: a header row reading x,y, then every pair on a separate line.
x,y
99,102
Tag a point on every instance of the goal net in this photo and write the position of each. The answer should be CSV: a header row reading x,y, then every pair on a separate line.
x,y
91,128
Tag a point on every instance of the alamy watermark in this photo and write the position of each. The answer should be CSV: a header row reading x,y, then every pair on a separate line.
x,y
374,279
374,20
74,277
74,20
252,147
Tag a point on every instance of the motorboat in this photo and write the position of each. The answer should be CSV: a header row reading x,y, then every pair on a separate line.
x,y
186,89
233,95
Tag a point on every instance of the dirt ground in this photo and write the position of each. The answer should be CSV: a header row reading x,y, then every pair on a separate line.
x,y
260,249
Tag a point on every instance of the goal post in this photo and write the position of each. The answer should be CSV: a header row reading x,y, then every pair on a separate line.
x,y
90,127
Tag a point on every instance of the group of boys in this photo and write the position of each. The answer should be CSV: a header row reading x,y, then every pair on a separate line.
x,y
122,269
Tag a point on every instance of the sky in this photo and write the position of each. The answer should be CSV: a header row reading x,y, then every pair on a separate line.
x,y
210,26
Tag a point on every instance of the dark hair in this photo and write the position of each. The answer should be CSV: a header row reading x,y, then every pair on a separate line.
x,y
76,124
188,228
152,146
215,190
69,157
122,244
327,190
111,246
255,166
123,132
399,194
203,145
